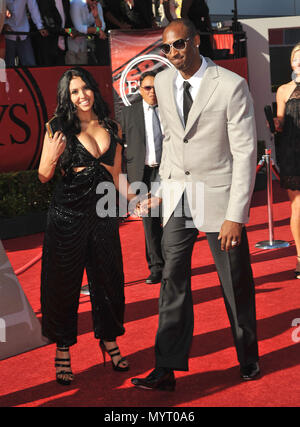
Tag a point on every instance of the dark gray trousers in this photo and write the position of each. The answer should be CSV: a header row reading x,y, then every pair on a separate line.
x,y
176,317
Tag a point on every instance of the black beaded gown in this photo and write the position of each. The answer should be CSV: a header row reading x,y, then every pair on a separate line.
x,y
288,149
76,238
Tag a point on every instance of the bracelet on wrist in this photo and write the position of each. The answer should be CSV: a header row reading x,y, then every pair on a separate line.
x,y
97,30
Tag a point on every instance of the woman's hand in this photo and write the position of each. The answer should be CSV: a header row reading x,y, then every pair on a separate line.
x,y
56,145
52,150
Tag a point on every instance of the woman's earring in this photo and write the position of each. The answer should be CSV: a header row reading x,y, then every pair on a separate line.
x,y
73,108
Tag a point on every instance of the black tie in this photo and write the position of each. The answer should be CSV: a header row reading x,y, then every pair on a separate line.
x,y
187,101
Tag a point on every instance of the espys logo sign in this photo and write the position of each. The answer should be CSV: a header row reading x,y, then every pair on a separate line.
x,y
132,54
22,117
129,87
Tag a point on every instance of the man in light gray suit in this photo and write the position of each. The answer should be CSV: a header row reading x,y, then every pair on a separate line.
x,y
209,154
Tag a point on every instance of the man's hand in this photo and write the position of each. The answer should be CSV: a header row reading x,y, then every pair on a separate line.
x,y
230,235
44,32
102,35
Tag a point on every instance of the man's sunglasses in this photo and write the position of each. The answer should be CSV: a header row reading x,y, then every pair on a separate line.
x,y
177,44
147,88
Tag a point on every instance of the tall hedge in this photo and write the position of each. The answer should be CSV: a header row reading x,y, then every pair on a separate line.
x,y
22,193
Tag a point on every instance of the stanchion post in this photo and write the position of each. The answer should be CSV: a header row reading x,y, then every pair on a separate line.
x,y
270,195
271,243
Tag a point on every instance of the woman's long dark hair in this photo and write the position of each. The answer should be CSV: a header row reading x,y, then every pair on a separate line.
x,y
67,113
65,109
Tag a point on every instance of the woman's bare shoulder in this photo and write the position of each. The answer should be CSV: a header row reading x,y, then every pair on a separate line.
x,y
286,87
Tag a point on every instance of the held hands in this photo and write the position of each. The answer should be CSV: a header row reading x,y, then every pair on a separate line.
x,y
141,208
150,203
230,235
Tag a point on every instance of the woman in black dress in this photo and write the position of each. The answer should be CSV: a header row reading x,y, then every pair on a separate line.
x,y
79,235
288,123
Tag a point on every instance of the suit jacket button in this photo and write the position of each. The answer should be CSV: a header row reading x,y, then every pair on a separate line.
x,y
185,140
187,172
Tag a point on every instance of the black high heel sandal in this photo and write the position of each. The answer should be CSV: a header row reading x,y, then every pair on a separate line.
x,y
63,377
112,353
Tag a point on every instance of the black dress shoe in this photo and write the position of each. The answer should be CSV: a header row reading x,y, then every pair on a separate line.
x,y
153,278
159,379
250,372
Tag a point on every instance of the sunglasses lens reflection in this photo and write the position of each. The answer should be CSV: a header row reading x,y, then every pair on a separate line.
x,y
148,88
178,45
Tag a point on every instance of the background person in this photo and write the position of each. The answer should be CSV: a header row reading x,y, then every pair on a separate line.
x,y
143,135
55,14
168,11
87,17
287,123
124,14
19,46
197,11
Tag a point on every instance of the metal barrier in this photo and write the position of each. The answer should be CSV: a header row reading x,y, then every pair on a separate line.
x,y
268,162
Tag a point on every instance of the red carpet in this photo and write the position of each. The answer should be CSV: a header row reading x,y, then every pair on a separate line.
x,y
213,379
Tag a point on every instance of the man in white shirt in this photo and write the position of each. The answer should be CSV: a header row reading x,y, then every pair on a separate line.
x,y
87,17
141,127
20,45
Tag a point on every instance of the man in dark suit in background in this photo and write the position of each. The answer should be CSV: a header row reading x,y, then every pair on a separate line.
x,y
141,127
134,14
57,21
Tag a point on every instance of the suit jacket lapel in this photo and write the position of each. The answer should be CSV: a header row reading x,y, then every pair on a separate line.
x,y
140,121
207,88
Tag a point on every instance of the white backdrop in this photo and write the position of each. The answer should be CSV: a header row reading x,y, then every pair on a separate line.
x,y
255,7
259,65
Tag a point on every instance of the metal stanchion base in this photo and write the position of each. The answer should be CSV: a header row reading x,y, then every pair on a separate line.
x,y
276,244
